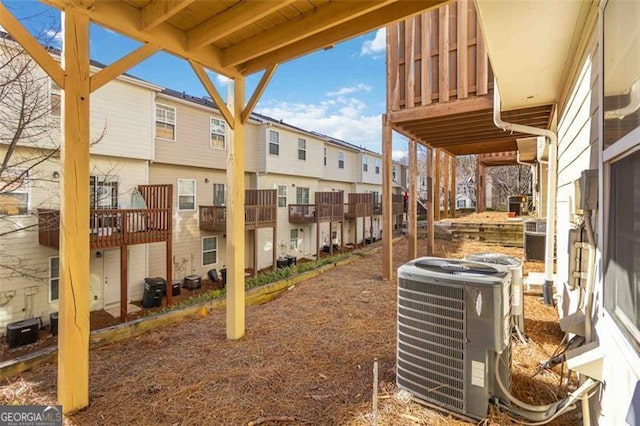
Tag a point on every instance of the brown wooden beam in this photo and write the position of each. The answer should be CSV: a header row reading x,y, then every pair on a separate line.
x,y
436,190
387,200
463,49
425,60
454,185
393,84
124,282
158,11
430,204
443,54
119,67
412,205
441,109
257,93
447,179
213,92
409,67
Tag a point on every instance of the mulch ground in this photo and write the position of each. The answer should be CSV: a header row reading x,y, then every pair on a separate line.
x,y
306,359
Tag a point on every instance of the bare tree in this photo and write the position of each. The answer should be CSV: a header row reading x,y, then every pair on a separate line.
x,y
466,176
509,180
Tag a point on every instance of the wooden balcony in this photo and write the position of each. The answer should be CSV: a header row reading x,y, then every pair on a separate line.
x,y
260,211
328,207
397,206
118,227
359,205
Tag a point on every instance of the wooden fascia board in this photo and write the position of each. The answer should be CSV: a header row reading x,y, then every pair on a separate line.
x,y
119,67
158,11
310,23
125,19
266,77
211,90
337,34
31,46
441,109
236,18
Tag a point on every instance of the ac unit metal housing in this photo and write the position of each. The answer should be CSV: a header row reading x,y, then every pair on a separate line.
x,y
535,231
517,281
454,317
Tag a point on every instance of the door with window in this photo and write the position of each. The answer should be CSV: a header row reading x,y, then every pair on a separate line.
x,y
103,195
112,277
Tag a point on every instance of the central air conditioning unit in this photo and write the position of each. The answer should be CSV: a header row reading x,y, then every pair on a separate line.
x,y
454,317
535,231
517,281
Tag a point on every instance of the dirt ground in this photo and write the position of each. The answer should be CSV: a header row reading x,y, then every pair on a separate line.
x,y
483,217
306,359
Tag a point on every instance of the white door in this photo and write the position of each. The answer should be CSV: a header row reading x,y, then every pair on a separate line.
x,y
96,280
111,277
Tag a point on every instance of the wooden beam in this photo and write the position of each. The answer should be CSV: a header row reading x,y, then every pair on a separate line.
x,y
257,93
315,21
425,63
387,200
232,20
463,49
31,46
447,178
430,204
169,265
215,96
393,83
73,338
124,18
443,53
409,63
412,205
123,64
158,11
436,184
442,109
454,185
124,274
332,36
481,199
482,64
235,219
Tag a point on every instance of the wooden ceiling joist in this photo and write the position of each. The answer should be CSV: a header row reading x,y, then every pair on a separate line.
x,y
158,11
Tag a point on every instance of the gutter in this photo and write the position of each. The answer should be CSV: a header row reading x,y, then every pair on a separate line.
x,y
551,187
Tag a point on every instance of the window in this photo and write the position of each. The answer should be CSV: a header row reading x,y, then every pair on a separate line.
x,y
365,164
54,278
219,194
293,244
377,166
55,99
325,157
103,192
341,160
209,250
186,194
302,149
393,172
282,195
460,204
165,122
14,192
302,195
218,133
274,142
621,69
623,250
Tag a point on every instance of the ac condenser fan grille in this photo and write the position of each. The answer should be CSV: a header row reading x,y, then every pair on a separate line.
x,y
456,267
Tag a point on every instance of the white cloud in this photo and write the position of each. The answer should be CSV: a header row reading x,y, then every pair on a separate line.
x,y
222,79
349,90
398,155
54,37
377,46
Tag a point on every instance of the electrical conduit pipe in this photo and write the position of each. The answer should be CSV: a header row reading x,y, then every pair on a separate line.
x,y
551,187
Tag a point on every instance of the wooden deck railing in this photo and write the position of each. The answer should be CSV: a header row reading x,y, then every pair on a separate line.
x,y
214,218
312,213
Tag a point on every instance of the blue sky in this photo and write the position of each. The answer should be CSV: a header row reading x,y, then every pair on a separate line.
x,y
339,92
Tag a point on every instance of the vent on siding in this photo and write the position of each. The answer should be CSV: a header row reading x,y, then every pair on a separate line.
x,y
431,334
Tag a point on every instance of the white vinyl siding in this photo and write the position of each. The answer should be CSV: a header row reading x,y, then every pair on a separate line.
x,y
165,122
55,99
218,133
274,142
14,192
302,149
54,279
209,251
282,195
186,194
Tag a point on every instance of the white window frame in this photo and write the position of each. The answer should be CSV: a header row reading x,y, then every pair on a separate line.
x,y
215,131
302,149
50,278
302,189
25,188
274,140
224,192
341,160
165,121
203,251
293,240
187,195
282,196
55,90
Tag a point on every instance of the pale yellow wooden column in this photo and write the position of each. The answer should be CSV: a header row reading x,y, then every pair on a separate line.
x,y
387,218
412,205
73,338
235,218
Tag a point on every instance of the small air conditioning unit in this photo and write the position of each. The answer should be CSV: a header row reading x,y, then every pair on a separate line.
x,y
517,281
534,239
454,317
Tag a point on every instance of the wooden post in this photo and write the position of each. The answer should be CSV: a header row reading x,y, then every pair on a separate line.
x,y
463,49
412,204
235,218
387,199
73,338
255,252
317,233
443,53
447,177
481,200
274,243
454,186
331,235
430,204
436,184
342,235
124,286
169,259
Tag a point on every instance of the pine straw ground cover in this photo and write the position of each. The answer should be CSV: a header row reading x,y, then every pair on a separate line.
x,y
306,359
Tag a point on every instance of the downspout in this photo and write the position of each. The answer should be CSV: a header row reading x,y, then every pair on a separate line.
x,y
551,187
